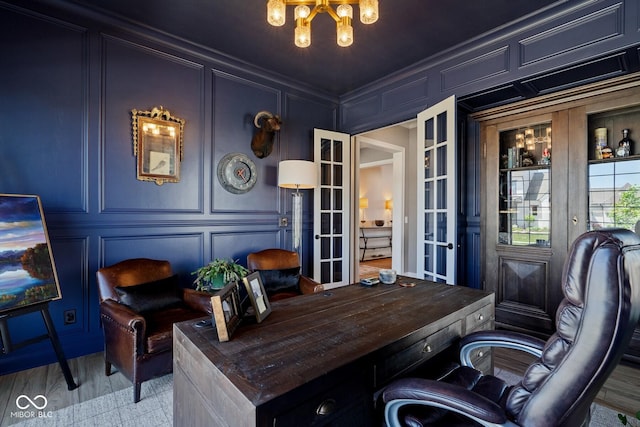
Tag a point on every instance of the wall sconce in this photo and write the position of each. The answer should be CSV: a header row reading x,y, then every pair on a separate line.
x,y
364,203
388,204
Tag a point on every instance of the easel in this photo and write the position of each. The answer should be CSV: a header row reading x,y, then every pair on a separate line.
x,y
8,346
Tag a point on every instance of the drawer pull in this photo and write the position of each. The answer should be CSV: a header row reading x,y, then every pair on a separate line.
x,y
480,353
327,407
481,317
427,348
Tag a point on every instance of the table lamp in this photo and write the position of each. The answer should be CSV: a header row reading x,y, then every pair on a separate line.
x,y
298,174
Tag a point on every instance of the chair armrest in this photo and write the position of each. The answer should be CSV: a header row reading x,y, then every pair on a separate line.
x,y
504,339
419,391
123,327
309,286
200,301
122,315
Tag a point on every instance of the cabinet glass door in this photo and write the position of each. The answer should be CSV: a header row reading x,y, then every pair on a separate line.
x,y
525,187
614,169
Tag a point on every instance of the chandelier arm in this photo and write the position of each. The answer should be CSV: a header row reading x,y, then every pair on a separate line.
x,y
333,14
312,15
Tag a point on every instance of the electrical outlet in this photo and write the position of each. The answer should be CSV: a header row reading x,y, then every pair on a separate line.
x,y
69,316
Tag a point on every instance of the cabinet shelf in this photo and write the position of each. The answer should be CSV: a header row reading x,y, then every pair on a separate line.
x,y
528,168
615,159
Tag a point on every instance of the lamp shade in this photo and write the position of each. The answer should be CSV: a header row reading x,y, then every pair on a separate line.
x,y
364,202
297,174
388,204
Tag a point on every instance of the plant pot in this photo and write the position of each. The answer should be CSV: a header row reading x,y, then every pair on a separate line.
x,y
218,282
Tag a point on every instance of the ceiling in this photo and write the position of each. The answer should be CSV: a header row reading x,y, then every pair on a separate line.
x,y
407,31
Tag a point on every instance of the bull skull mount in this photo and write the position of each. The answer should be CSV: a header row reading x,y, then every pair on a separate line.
x,y
267,125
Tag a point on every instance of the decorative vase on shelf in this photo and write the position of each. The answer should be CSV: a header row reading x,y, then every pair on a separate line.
x,y
624,146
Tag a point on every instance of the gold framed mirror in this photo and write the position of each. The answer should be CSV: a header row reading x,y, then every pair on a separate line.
x,y
157,145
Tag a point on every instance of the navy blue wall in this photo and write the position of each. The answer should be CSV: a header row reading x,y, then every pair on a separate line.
x,y
68,85
68,82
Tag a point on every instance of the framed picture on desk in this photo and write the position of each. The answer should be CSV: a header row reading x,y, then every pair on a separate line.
x,y
226,311
257,295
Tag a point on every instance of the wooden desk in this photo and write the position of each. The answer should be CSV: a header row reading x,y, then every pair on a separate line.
x,y
318,359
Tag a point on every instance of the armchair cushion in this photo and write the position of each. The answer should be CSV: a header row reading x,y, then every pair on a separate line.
x,y
281,280
151,296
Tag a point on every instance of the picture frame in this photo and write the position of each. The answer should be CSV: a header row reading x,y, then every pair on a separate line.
x,y
27,270
157,145
257,295
226,311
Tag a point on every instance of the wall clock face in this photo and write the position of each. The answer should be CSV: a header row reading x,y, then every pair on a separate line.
x,y
237,173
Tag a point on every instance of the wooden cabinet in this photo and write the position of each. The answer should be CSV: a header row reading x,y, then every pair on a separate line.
x,y
375,242
533,212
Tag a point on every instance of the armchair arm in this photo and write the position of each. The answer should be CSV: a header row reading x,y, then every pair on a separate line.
x,y
197,300
419,391
504,339
309,286
123,327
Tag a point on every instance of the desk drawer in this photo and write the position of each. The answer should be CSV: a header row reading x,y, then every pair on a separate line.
x,y
419,352
346,404
480,319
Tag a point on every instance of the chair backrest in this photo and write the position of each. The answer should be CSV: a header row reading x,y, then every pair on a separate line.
x,y
130,272
594,323
272,259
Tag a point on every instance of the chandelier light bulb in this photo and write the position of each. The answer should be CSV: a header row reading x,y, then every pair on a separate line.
x,y
303,35
302,12
345,35
368,11
345,10
276,12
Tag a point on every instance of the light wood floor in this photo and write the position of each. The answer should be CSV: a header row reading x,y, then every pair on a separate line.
x,y
620,393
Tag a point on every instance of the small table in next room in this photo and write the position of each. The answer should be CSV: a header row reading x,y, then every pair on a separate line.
x,y
319,359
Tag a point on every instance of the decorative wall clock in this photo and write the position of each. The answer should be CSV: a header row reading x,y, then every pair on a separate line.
x,y
237,173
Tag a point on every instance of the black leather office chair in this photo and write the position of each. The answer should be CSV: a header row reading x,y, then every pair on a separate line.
x,y
594,323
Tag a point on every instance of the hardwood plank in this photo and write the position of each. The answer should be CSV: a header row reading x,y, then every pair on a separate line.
x,y
620,392
6,388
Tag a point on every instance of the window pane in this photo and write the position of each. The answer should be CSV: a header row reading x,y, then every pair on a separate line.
x,y
428,133
325,149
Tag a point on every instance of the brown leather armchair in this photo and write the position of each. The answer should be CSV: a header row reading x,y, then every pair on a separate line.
x,y
280,273
140,300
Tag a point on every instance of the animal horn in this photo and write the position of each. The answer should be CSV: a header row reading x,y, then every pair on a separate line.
x,y
259,115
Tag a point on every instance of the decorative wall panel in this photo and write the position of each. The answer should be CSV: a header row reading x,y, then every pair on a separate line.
x,y
140,77
43,110
587,30
232,132
481,67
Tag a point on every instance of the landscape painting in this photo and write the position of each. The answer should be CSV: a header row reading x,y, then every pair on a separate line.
x,y
27,271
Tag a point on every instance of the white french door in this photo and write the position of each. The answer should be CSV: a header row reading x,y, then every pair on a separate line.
x,y
437,193
332,207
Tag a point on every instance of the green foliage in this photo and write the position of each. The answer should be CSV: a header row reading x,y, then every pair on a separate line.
x,y
228,269
627,209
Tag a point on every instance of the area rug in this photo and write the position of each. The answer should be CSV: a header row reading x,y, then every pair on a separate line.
x,y
155,409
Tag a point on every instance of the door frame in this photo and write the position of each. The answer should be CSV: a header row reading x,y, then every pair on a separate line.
x,y
398,196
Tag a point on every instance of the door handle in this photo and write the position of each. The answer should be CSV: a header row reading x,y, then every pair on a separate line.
x,y
317,236
449,246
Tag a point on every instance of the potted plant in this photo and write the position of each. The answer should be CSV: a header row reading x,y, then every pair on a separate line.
x,y
218,273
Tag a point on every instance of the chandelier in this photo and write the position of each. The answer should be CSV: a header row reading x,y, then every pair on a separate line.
x,y
276,16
